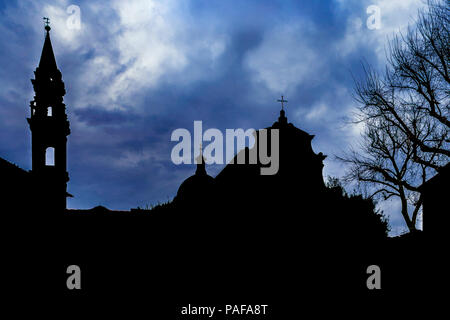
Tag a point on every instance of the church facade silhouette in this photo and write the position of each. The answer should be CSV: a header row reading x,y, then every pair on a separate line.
x,y
237,188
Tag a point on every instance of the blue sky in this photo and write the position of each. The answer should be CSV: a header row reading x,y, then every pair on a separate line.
x,y
136,70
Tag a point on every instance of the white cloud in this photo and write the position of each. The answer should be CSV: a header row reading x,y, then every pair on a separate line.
x,y
317,113
395,15
122,49
69,39
284,60
146,45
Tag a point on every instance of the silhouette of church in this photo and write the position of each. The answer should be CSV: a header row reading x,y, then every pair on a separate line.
x,y
299,172
44,187
249,228
294,199
295,195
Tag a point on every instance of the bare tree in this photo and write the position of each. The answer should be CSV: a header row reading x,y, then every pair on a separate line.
x,y
384,165
405,112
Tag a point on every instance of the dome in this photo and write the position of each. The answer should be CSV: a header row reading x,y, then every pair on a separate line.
x,y
196,188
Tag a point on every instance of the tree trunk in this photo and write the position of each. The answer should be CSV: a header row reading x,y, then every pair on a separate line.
x,y
411,226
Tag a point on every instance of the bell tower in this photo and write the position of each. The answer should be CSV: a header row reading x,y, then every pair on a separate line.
x,y
49,130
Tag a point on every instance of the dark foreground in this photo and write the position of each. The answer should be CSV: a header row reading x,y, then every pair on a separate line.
x,y
155,266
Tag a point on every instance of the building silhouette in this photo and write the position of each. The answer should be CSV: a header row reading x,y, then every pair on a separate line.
x,y
255,227
295,196
45,186
49,130
435,192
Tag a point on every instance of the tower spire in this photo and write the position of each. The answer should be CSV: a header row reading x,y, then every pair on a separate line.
x,y
48,61
200,163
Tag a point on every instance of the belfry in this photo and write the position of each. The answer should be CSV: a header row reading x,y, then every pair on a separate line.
x,y
49,130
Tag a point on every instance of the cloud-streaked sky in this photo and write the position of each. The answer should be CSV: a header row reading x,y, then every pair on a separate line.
x,y
138,69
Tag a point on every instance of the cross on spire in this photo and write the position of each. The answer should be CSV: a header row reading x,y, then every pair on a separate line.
x,y
282,102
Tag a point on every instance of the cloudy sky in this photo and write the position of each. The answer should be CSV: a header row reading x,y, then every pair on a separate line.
x,y
136,70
